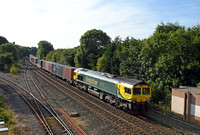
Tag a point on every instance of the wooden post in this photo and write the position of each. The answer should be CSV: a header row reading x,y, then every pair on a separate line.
x,y
188,105
185,107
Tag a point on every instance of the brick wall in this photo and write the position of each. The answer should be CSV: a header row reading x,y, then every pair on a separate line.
x,y
186,102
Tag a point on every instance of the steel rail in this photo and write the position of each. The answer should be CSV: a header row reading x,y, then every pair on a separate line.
x,y
130,124
74,125
153,126
50,106
49,130
38,116
5,78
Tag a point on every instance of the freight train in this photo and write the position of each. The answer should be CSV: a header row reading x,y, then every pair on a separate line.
x,y
131,95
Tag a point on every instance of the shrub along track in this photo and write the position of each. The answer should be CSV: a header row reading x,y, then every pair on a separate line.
x,y
129,124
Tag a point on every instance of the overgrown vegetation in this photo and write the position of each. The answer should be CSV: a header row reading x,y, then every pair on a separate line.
x,y
10,55
6,115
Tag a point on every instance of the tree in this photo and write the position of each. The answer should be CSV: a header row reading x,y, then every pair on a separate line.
x,y
3,40
49,56
44,47
9,47
102,64
171,57
67,57
92,46
32,50
109,62
23,51
6,60
9,57
62,56
129,58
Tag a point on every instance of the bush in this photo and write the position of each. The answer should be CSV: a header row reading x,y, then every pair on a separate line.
x,y
6,115
198,85
14,70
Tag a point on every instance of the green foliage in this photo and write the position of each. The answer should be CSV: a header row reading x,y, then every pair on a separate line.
x,y
92,46
9,47
14,70
32,50
44,47
130,62
6,115
49,56
169,58
3,40
109,62
6,60
62,56
23,51
101,64
9,57
198,85
67,57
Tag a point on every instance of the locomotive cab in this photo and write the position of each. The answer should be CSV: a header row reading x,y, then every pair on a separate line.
x,y
141,93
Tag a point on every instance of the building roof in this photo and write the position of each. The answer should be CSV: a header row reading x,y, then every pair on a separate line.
x,y
188,89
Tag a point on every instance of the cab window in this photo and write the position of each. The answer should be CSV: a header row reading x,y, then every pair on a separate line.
x,y
137,91
127,90
146,91
74,73
80,77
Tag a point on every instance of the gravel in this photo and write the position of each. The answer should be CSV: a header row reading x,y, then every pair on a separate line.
x,y
27,123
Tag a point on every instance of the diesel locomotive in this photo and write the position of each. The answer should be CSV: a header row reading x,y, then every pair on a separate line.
x,y
132,95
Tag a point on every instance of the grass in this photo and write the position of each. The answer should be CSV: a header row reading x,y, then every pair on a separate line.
x,y
79,121
6,115
165,107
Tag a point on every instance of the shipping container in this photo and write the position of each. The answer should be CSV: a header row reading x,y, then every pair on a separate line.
x,y
58,69
44,64
68,73
50,67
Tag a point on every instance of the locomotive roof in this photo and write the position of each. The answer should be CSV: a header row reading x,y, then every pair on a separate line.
x,y
110,77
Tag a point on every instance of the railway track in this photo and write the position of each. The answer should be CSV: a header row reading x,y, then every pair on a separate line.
x,y
52,120
43,113
127,123
39,94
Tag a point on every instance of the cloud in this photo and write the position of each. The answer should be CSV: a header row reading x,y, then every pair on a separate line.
x,y
63,22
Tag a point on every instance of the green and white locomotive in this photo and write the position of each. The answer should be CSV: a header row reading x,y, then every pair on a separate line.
x,y
130,94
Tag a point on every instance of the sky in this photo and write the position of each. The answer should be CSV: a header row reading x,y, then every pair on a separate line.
x,y
63,22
